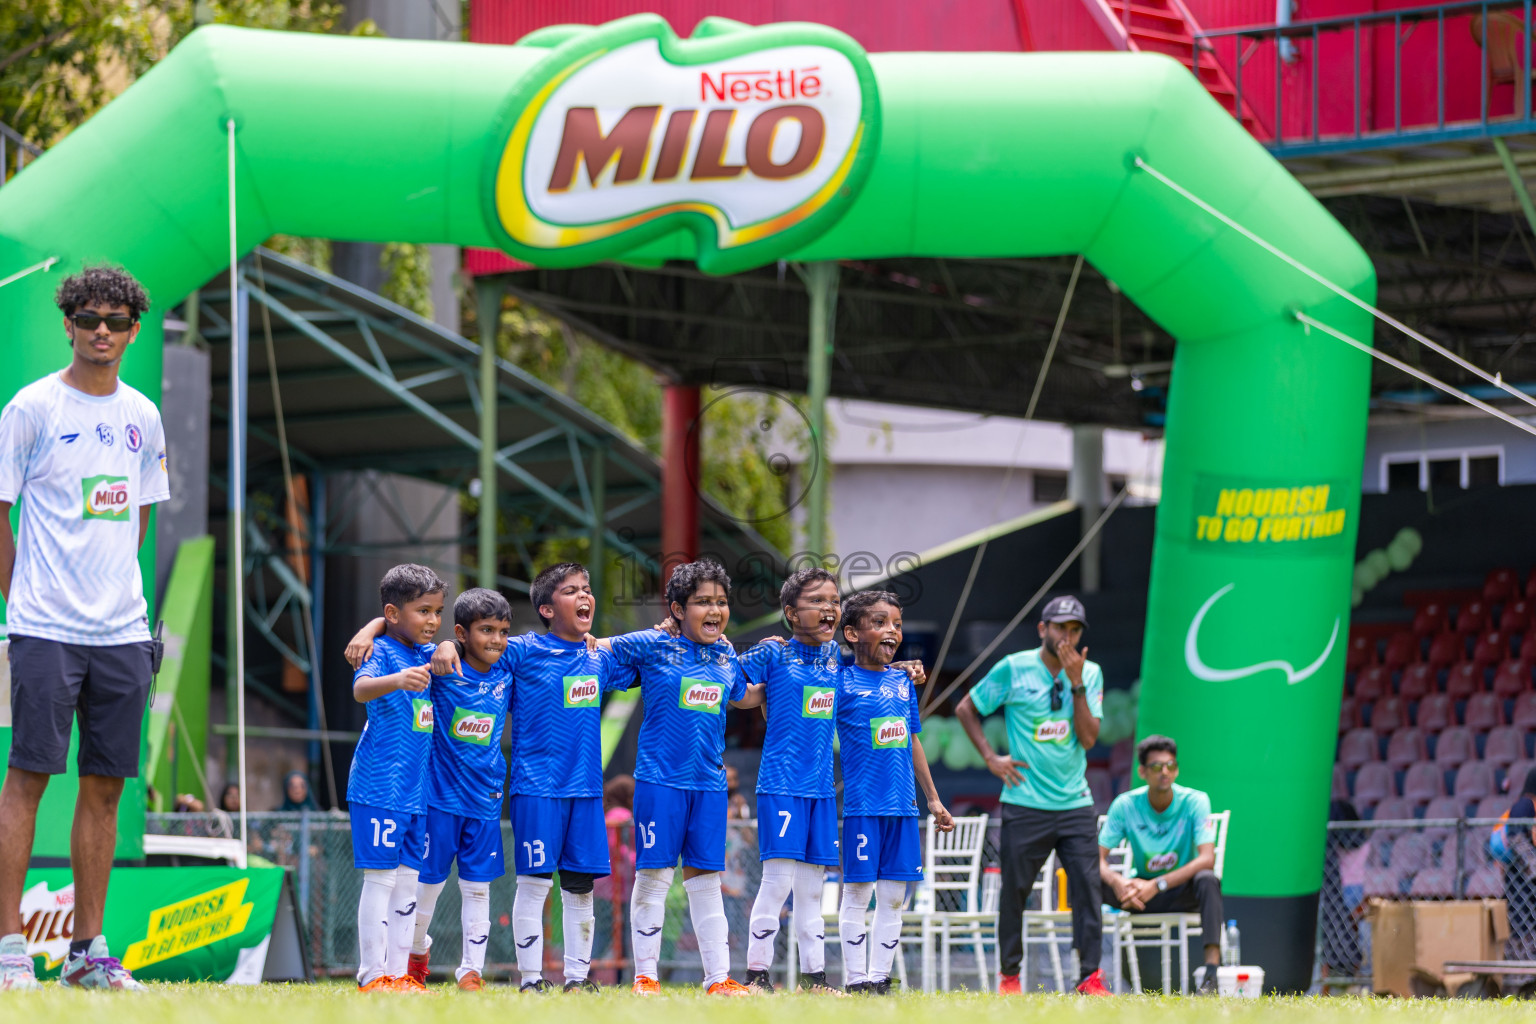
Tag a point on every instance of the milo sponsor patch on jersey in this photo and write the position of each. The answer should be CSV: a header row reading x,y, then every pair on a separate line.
x,y
1053,730
817,702
580,691
472,726
421,714
701,695
104,497
888,732
1161,862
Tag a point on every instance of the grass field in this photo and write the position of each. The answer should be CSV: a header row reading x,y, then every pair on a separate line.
x,y
340,1004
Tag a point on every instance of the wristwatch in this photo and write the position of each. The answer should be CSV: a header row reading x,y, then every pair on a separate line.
x,y
1162,885
1079,688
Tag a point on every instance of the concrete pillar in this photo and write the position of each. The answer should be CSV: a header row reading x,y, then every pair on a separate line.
x,y
1085,486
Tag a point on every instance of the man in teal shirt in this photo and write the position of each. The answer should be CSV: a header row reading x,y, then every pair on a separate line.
x,y
1053,698
1173,848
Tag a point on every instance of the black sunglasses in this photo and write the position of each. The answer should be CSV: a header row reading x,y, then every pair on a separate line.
x,y
91,321
1056,695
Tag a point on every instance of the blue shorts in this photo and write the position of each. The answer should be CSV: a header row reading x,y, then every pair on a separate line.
x,y
383,839
559,834
671,822
882,848
475,842
799,828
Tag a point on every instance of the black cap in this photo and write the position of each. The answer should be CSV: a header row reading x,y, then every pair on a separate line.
x,y
1065,608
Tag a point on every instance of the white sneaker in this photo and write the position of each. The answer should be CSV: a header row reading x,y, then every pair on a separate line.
x,y
98,969
17,973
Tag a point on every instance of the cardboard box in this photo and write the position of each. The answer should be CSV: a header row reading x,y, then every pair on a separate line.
x,y
1415,939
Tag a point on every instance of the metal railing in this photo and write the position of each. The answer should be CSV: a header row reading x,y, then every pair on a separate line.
x,y
1388,97
1435,860
15,152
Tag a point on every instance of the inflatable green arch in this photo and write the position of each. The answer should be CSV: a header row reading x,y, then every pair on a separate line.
x,y
743,145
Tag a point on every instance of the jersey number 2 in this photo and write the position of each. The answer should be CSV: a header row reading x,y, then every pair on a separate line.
x,y
859,850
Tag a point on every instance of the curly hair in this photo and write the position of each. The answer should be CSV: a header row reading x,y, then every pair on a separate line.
x,y
542,590
105,284
686,579
857,605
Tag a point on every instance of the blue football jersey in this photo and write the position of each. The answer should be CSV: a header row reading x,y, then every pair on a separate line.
x,y
685,687
801,690
389,766
876,719
557,717
469,772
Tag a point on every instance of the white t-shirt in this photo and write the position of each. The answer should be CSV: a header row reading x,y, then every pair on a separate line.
x,y
81,465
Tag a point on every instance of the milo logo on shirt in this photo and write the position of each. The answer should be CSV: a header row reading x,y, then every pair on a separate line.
x,y
472,726
817,702
580,691
105,497
1054,730
1160,862
701,695
888,732
421,715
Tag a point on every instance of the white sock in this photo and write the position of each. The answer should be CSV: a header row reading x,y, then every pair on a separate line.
x,y
576,918
850,928
373,924
706,906
426,903
763,928
890,897
810,929
528,925
402,921
647,911
475,916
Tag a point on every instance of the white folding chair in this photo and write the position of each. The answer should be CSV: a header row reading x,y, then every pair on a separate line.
x,y
952,871
1165,932
1048,926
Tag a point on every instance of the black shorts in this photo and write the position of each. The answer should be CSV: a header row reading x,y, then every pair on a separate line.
x,y
106,687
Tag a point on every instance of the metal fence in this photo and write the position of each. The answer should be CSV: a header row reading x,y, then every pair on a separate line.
x,y
317,848
1418,859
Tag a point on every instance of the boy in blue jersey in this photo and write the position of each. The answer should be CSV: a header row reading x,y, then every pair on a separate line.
x,y
680,793
465,784
557,770
387,782
877,727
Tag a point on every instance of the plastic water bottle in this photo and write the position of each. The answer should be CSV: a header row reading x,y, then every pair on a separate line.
x,y
1234,953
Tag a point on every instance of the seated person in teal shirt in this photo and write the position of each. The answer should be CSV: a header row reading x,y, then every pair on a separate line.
x,y
1173,848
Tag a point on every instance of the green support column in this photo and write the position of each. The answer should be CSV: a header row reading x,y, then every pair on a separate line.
x,y
598,560
488,308
821,285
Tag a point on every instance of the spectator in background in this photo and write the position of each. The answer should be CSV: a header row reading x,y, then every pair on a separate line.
x,y
618,814
1173,849
737,807
229,799
186,803
1520,881
296,794
1053,698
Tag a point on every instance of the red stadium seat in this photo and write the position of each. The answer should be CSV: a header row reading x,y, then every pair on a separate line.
x,y
1473,617
1433,883
1492,648
1412,852
1525,711
1402,649
1430,619
1436,712
1360,653
1463,680
1373,683
1514,781
1530,586
1418,681
1357,747
1505,745
1486,883
1374,782
1340,783
1349,715
1491,806
1384,882
1512,679
1455,746
1424,781
1516,617
1405,747
1444,806
1500,585
1446,649
1484,711
1474,780
1389,714
1393,808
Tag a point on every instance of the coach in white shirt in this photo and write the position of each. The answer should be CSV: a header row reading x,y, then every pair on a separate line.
x,y
84,454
